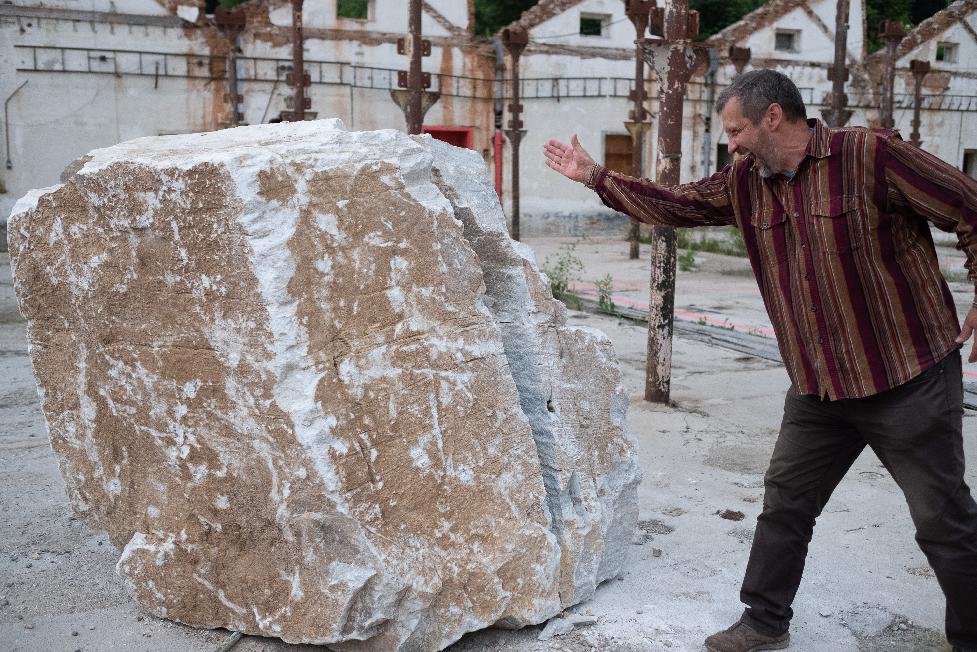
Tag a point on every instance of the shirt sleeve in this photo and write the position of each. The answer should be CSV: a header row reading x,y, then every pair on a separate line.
x,y
706,202
934,190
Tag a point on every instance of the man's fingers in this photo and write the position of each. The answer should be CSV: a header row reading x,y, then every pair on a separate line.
x,y
574,143
551,156
967,329
555,149
973,353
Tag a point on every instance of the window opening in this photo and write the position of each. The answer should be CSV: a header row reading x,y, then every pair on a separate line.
x,y
946,52
593,24
356,9
970,162
723,157
787,40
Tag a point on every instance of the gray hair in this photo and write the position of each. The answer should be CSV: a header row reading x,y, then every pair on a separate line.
x,y
758,89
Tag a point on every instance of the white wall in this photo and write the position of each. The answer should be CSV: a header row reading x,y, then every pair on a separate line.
x,y
57,117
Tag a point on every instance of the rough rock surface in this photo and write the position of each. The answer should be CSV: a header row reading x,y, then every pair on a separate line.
x,y
569,387
308,402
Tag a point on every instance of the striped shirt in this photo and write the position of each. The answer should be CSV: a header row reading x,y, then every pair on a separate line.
x,y
842,252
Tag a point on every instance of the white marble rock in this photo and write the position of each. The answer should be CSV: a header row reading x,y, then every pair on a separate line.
x,y
309,387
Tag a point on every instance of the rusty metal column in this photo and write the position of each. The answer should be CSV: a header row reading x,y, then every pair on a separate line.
x,y
919,70
638,11
415,115
415,100
298,78
231,23
740,57
837,114
674,61
891,32
515,40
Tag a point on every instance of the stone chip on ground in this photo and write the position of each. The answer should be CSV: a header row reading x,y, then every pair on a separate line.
x,y
308,385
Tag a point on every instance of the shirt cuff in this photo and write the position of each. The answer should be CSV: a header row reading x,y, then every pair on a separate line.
x,y
595,176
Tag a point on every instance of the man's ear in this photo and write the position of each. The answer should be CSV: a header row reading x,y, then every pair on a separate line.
x,y
774,115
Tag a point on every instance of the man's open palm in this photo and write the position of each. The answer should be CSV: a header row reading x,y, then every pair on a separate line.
x,y
572,161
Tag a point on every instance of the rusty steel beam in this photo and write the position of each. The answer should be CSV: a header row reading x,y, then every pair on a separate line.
x,y
412,97
638,12
298,78
891,32
230,23
740,57
838,114
415,115
515,39
919,70
674,61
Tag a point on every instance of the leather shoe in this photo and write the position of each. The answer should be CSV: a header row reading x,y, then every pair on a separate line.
x,y
742,637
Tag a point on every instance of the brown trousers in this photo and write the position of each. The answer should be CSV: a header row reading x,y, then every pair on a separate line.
x,y
916,432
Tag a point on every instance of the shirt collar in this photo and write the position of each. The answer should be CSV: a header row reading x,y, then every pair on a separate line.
x,y
820,144
818,147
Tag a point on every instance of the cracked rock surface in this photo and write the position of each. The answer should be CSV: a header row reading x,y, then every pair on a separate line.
x,y
310,388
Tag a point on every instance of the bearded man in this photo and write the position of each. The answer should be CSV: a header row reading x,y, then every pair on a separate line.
x,y
836,226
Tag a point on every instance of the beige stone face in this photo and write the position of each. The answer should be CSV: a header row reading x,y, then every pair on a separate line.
x,y
270,373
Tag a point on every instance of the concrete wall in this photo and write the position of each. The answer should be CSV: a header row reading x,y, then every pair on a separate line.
x,y
59,116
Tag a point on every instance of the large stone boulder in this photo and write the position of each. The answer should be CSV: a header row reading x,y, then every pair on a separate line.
x,y
311,389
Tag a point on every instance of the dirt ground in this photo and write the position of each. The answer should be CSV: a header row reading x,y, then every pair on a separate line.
x,y
867,587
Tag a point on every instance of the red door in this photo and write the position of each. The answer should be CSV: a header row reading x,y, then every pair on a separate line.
x,y
457,136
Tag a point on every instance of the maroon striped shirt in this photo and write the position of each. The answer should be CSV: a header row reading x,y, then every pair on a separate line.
x,y
842,252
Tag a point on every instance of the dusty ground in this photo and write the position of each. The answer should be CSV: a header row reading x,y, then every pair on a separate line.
x,y
866,588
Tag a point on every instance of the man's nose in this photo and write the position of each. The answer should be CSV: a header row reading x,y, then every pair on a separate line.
x,y
731,147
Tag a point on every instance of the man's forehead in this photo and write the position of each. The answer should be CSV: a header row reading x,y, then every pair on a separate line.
x,y
732,114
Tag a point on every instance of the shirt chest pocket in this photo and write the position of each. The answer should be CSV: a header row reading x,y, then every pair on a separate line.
x,y
771,230
840,224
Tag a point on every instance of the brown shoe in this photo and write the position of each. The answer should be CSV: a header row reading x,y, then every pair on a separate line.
x,y
741,637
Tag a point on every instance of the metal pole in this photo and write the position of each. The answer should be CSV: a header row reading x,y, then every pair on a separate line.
x,y
919,70
710,82
674,62
231,24
232,94
6,123
298,61
411,95
415,115
298,77
515,40
638,11
838,115
891,32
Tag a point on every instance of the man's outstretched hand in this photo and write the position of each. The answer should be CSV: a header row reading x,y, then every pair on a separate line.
x,y
969,325
572,161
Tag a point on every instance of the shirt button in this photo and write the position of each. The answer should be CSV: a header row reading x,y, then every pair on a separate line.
x,y
803,245
814,308
797,214
807,277
820,340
